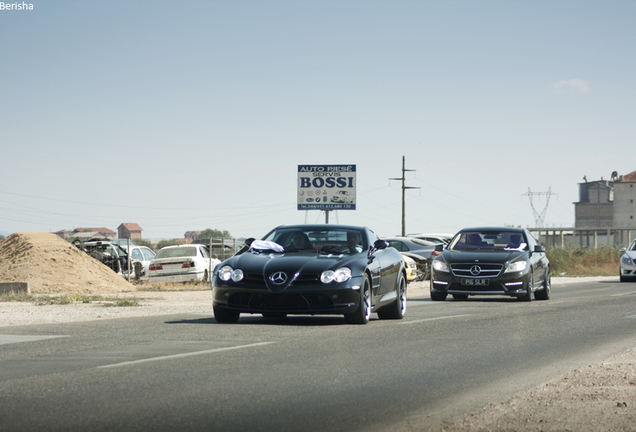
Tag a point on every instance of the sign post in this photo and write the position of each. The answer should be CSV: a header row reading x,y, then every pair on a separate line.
x,y
326,188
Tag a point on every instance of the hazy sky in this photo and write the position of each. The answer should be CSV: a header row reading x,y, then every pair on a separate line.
x,y
187,115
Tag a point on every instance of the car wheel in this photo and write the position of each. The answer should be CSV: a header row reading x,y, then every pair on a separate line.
x,y
527,297
205,276
398,308
224,315
278,315
363,313
544,294
460,296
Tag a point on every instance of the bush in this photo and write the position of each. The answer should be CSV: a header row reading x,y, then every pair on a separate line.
x,y
578,261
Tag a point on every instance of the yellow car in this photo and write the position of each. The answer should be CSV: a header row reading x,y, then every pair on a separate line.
x,y
411,268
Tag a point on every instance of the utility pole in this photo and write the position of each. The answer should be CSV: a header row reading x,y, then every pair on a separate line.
x,y
539,217
404,188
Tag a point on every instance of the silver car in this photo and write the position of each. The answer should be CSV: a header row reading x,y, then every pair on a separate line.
x,y
628,263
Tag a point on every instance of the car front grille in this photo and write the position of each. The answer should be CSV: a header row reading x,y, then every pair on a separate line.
x,y
281,302
476,269
303,278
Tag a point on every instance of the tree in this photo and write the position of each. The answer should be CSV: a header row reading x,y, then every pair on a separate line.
x,y
215,234
164,243
1,236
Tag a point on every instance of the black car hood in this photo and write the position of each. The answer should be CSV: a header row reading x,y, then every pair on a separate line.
x,y
291,264
482,256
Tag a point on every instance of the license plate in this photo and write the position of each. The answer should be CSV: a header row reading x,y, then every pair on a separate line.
x,y
476,282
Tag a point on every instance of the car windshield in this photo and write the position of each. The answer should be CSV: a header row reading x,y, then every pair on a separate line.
x,y
489,240
330,240
177,252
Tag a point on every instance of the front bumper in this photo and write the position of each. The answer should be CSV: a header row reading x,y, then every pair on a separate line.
x,y
308,299
508,284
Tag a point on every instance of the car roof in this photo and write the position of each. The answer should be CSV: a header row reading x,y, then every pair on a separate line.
x,y
320,226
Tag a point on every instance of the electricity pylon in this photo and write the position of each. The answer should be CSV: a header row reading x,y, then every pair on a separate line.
x,y
539,218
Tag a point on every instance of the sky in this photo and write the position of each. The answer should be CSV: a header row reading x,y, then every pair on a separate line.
x,y
186,115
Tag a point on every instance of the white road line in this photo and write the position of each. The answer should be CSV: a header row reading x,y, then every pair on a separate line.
x,y
175,356
622,294
433,319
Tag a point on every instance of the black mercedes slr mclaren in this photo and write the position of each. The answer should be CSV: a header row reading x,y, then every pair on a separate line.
x,y
491,261
312,269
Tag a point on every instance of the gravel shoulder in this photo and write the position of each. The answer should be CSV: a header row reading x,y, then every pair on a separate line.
x,y
599,397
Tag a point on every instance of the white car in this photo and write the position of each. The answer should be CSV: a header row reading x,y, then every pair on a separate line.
x,y
342,196
143,255
183,263
628,263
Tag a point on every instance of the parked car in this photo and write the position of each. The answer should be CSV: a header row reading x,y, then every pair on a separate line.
x,y
435,238
628,263
411,268
141,257
182,263
421,251
311,270
491,261
107,252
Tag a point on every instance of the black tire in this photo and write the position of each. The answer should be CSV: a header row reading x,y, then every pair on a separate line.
x,y
397,309
363,313
527,297
544,293
205,276
225,316
460,296
438,296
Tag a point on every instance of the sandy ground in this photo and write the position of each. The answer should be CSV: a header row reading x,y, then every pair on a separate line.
x,y
599,397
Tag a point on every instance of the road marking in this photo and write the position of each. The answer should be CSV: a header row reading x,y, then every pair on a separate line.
x,y
622,294
10,339
433,319
175,356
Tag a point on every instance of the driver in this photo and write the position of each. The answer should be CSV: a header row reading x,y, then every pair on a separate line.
x,y
354,242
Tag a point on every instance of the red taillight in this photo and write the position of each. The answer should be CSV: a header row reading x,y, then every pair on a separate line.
x,y
187,265
435,253
156,267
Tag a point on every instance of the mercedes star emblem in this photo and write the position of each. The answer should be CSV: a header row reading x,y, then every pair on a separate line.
x,y
278,278
475,270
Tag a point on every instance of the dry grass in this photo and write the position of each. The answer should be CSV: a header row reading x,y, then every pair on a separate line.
x,y
576,261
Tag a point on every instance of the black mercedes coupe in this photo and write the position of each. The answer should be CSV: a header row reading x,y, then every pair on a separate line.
x,y
312,270
491,261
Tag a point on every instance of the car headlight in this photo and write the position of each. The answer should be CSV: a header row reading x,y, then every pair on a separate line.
x,y
627,260
226,273
440,266
516,266
341,275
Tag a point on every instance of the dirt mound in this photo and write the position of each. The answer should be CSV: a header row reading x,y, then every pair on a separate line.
x,y
52,265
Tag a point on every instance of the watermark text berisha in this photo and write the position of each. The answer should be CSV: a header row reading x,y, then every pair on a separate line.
x,y
16,6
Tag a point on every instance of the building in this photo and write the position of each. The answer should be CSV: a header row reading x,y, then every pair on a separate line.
x,y
625,201
191,236
595,208
129,230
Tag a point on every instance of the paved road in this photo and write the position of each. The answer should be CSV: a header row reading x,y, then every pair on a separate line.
x,y
186,372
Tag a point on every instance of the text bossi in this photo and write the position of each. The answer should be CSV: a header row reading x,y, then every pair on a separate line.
x,y
326,187
329,182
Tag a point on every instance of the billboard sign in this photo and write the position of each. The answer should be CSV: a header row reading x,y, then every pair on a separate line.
x,y
326,187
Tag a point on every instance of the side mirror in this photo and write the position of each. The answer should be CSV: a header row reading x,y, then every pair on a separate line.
x,y
539,249
622,250
380,244
249,241
439,247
